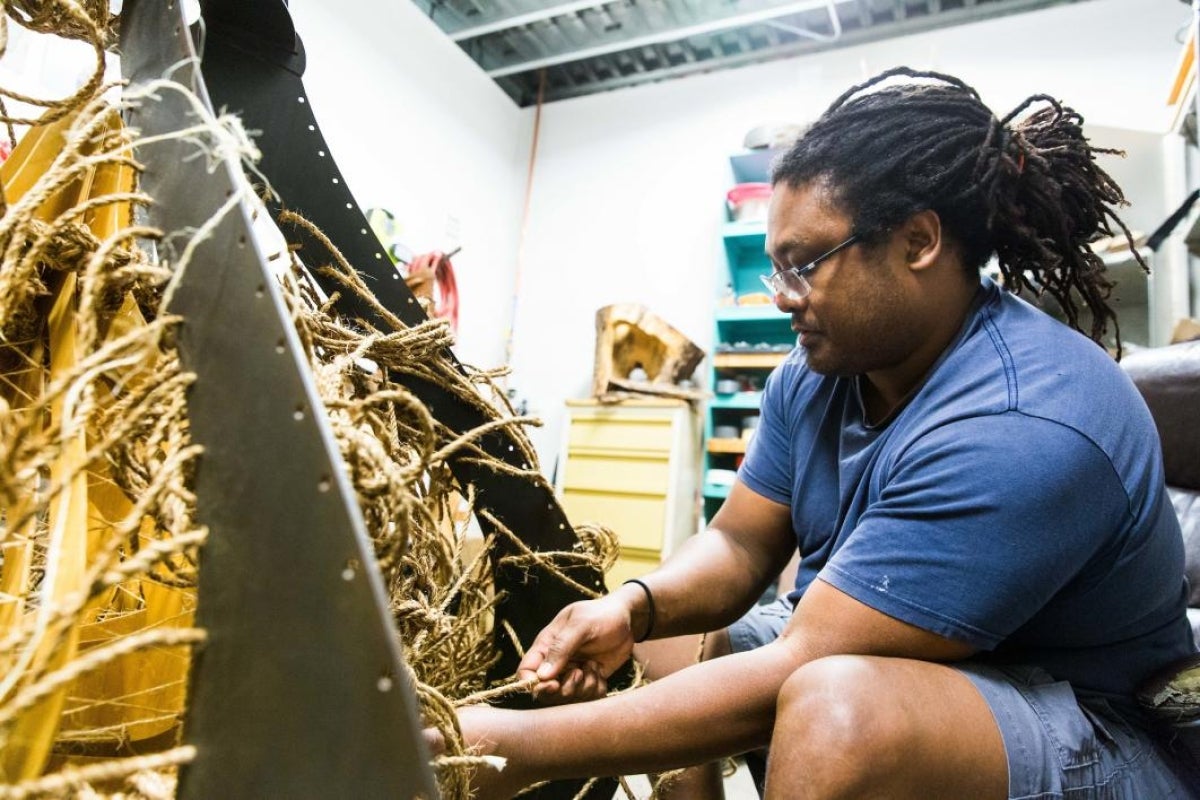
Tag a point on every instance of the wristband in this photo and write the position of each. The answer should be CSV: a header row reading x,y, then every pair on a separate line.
x,y
649,607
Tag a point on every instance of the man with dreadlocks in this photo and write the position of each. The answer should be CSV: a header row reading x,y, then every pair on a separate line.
x,y
989,562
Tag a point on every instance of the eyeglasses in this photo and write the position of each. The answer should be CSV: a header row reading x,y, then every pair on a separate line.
x,y
793,283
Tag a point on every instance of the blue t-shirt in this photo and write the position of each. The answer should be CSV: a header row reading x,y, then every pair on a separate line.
x,y
1016,502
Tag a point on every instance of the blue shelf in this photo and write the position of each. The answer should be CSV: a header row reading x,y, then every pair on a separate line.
x,y
745,231
741,400
745,243
716,490
753,166
745,254
746,260
760,311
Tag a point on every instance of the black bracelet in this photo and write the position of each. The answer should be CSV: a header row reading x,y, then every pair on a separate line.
x,y
650,609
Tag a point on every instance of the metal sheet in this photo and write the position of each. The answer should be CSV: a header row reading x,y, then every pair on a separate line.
x,y
300,690
250,68
266,89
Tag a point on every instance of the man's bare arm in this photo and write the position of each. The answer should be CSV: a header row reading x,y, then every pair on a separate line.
x,y
713,709
711,581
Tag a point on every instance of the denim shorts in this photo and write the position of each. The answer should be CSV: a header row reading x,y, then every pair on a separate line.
x,y
1063,746
1058,747
761,625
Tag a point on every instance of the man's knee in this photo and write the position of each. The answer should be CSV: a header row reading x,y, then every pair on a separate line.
x,y
832,705
860,726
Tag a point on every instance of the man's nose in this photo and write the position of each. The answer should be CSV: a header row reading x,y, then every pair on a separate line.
x,y
788,304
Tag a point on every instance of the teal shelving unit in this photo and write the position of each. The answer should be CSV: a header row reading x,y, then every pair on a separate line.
x,y
752,338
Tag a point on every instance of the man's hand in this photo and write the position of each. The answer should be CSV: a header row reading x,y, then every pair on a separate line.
x,y
577,683
573,656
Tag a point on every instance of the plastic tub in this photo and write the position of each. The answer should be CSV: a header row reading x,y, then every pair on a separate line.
x,y
748,202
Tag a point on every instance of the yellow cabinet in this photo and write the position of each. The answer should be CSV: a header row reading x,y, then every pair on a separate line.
x,y
632,467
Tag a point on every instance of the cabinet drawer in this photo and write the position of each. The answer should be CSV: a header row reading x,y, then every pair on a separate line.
x,y
629,567
601,432
603,473
637,521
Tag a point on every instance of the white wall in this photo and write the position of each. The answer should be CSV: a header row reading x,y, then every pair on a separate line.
x,y
417,128
629,189
629,184
46,67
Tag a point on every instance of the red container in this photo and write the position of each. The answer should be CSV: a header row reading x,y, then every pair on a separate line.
x,y
748,202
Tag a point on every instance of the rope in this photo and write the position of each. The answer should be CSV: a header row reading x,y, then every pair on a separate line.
x,y
73,777
127,395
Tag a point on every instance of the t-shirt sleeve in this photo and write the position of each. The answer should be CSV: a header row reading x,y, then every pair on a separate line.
x,y
979,523
767,466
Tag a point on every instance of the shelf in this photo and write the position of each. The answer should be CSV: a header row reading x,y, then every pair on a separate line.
x,y
741,400
754,337
753,166
745,256
734,446
748,360
1120,258
717,490
745,232
758,311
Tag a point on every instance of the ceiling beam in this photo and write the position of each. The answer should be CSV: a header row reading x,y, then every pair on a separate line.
x,y
854,36
517,20
667,35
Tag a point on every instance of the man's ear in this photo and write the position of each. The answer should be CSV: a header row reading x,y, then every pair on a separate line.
x,y
923,239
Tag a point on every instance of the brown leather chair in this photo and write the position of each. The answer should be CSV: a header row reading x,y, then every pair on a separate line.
x,y
1169,380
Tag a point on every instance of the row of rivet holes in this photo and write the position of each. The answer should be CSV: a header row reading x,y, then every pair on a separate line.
x,y
384,684
348,573
350,206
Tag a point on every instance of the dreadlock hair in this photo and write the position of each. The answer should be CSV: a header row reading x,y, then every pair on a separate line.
x,y
1029,191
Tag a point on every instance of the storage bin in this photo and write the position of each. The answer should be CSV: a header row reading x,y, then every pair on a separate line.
x,y
748,202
